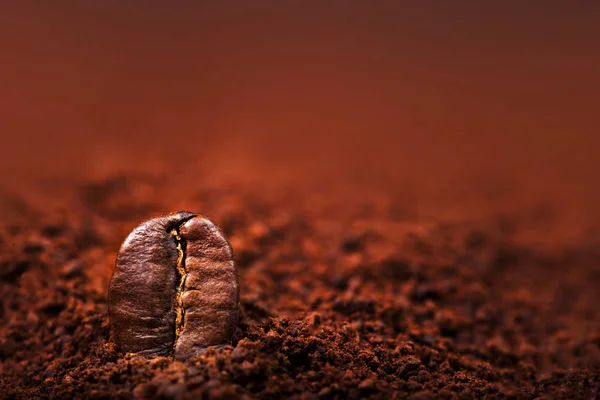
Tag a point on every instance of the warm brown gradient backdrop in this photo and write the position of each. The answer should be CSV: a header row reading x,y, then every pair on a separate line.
x,y
440,93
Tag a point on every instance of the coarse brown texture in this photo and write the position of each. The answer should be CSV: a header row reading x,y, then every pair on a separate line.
x,y
341,298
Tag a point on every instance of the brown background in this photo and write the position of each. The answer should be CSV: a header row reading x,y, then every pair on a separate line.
x,y
463,101
315,134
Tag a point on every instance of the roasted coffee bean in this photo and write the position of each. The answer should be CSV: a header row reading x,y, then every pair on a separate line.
x,y
175,288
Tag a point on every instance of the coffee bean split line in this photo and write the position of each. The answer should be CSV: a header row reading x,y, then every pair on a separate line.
x,y
182,275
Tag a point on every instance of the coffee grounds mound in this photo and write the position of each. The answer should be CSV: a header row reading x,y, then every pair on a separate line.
x,y
340,299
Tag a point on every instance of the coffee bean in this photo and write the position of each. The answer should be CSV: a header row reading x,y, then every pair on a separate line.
x,y
175,288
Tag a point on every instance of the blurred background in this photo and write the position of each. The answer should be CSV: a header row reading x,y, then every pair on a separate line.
x,y
467,104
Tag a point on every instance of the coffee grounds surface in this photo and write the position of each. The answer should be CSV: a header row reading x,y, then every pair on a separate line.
x,y
341,298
